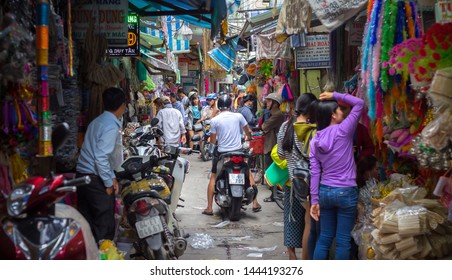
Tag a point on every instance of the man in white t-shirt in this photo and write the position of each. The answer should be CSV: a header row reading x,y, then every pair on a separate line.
x,y
226,131
172,124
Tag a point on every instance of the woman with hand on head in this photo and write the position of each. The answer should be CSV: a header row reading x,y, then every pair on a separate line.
x,y
334,192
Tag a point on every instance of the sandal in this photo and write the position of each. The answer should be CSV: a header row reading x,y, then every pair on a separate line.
x,y
269,199
208,213
257,209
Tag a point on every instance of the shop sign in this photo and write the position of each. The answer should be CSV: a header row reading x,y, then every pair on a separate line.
x,y
109,19
225,80
183,68
316,53
133,39
443,11
356,31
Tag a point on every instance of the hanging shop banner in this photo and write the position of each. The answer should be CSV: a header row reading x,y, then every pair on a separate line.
x,y
133,39
443,11
110,19
316,53
333,13
355,32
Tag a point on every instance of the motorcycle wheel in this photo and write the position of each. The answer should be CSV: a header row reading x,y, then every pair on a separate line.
x,y
235,209
160,254
278,197
204,151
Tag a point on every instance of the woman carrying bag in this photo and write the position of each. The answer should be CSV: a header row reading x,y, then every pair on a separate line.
x,y
296,217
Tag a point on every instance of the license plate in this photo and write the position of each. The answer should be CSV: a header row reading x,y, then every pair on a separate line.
x,y
149,227
238,179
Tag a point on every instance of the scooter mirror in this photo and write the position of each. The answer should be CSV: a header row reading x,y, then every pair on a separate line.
x,y
154,121
60,134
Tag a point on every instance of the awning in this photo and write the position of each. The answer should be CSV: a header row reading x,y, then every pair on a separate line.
x,y
161,67
172,25
204,13
266,21
259,22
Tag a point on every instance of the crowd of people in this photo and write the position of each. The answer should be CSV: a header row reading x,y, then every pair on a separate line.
x,y
336,145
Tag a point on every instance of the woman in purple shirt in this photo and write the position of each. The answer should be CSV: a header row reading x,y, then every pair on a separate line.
x,y
334,195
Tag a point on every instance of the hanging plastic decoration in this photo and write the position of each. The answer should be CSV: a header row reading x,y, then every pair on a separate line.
x,y
390,23
265,71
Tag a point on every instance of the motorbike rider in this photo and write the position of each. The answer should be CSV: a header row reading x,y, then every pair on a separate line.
x,y
226,130
194,115
210,110
172,124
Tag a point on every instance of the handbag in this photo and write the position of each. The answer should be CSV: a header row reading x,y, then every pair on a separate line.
x,y
302,174
197,127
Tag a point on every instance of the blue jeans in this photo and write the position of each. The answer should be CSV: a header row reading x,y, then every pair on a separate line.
x,y
314,234
337,218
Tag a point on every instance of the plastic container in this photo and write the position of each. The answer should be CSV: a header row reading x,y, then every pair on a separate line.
x,y
257,144
276,176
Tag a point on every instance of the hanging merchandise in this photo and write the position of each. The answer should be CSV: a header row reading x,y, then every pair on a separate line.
x,y
267,47
225,54
286,93
433,146
264,71
390,100
96,73
294,17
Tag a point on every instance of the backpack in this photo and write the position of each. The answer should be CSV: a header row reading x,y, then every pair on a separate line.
x,y
302,173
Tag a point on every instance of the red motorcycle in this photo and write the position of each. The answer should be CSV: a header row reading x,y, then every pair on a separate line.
x,y
34,226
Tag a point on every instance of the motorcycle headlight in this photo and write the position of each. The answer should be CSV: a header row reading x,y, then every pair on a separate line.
x,y
17,200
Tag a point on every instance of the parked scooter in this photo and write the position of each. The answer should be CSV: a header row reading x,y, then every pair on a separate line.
x,y
196,139
146,197
178,168
36,227
232,186
143,140
205,140
150,190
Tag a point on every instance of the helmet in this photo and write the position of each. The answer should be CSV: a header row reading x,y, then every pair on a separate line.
x,y
224,102
191,93
212,96
274,96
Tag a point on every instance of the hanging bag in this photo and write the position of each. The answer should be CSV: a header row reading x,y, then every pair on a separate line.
x,y
302,173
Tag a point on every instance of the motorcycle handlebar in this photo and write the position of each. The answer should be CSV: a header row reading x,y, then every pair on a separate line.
x,y
77,181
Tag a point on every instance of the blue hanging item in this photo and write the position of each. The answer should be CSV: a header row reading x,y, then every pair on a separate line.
x,y
286,93
225,54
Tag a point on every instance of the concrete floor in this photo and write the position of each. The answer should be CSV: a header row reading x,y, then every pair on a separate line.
x,y
255,236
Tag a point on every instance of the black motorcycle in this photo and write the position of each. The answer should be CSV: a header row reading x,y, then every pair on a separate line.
x,y
232,186
146,197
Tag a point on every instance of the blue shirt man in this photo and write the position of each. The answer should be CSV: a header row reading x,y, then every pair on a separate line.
x,y
179,106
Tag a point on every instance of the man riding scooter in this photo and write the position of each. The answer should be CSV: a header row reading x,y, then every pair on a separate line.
x,y
226,131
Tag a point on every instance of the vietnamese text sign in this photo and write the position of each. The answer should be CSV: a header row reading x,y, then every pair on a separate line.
x,y
356,31
333,13
316,53
443,11
109,19
183,68
133,39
